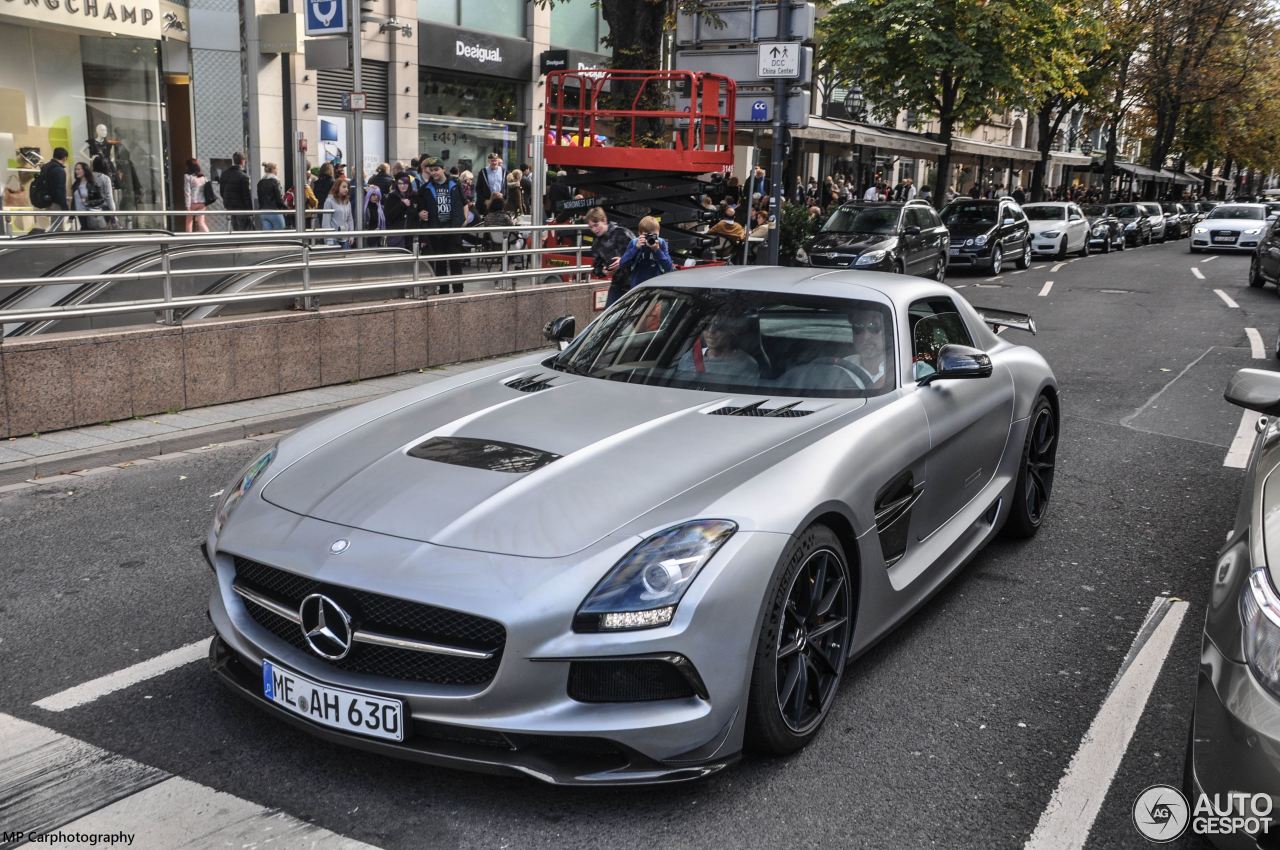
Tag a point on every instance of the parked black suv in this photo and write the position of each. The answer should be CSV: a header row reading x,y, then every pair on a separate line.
x,y
869,236
987,233
1136,221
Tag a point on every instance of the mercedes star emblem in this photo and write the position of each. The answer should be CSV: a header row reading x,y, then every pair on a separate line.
x,y
339,546
326,627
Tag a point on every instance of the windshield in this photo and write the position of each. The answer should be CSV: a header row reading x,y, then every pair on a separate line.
x,y
1094,210
1171,209
1237,212
1046,213
969,212
862,220
1125,211
725,340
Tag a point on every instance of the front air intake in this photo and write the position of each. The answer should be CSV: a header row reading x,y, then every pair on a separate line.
x,y
530,383
636,679
758,409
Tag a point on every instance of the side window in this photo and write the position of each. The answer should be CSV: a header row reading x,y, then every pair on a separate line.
x,y
916,217
932,215
1073,213
935,322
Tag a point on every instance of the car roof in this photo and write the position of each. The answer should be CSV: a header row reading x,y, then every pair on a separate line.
x,y
872,204
1046,204
831,283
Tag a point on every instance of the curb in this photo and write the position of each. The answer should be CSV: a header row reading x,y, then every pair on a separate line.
x,y
63,463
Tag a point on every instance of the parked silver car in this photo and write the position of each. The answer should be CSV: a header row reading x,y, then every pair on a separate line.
x,y
1159,224
625,562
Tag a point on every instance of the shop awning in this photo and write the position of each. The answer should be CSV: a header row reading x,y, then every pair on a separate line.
x,y
897,141
972,147
1202,177
1141,172
825,130
1064,158
1179,178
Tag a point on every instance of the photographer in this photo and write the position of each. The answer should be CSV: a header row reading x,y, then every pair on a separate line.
x,y
647,257
608,243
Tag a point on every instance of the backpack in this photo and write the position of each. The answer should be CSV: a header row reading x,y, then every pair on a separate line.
x,y
38,191
93,198
210,196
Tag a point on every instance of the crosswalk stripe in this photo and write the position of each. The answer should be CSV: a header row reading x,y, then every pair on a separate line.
x,y
53,783
121,679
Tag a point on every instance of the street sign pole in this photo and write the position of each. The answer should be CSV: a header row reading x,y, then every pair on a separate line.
x,y
357,137
779,131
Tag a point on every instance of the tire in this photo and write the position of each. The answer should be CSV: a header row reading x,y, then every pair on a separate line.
x,y
1124,243
1062,249
1024,262
997,260
1256,279
1084,249
1193,250
899,267
1034,485
1106,245
1147,240
940,270
795,676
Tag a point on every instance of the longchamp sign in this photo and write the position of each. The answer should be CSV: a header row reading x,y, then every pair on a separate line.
x,y
138,18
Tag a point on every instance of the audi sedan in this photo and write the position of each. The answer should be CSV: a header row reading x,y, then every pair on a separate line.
x,y
630,560
1230,227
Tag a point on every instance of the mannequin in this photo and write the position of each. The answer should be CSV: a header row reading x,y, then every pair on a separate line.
x,y
99,145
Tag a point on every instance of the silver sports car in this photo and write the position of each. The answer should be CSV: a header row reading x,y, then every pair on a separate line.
x,y
627,561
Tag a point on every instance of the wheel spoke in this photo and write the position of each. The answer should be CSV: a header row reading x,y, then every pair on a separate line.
x,y
819,581
789,684
827,662
801,689
828,626
790,611
788,650
827,601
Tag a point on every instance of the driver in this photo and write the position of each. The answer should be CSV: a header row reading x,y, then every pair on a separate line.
x,y
870,350
715,353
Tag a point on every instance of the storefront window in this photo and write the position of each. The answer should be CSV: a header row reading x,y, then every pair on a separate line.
x,y
122,105
498,17
578,24
467,147
460,97
438,12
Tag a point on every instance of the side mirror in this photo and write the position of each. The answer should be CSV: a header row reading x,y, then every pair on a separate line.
x,y
1255,389
911,230
961,361
561,330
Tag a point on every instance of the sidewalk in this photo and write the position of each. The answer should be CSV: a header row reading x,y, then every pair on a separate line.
x,y
37,458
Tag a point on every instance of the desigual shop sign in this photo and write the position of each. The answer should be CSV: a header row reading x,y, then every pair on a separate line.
x,y
138,18
475,52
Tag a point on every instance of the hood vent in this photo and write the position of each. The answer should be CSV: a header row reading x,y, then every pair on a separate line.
x,y
530,383
483,454
758,409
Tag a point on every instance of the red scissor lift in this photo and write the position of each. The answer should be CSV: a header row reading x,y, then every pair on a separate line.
x,y
636,160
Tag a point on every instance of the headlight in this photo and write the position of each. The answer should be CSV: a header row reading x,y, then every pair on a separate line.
x,y
1260,611
1131,225
241,488
1100,230
644,588
870,258
1200,230
1253,232
802,256
968,243
980,240
1051,234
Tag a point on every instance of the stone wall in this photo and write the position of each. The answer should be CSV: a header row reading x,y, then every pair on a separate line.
x,y
60,381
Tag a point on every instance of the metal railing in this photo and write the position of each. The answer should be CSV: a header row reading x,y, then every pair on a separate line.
x,y
169,307
60,221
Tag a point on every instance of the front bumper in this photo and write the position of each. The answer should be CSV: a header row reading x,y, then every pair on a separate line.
x,y
960,257
1043,245
1242,243
523,721
1235,739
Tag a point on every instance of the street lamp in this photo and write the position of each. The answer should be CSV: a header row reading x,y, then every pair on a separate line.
x,y
1086,147
855,104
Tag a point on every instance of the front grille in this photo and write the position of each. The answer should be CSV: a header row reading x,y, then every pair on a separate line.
x,y
1218,234
832,262
386,615
627,680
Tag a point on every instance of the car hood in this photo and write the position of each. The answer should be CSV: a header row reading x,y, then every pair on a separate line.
x,y
1039,226
850,243
1237,225
607,453
1126,219
966,231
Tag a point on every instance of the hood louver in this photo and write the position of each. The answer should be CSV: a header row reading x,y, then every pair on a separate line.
x,y
530,383
758,409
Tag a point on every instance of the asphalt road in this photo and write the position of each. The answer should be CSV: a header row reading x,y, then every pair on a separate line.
x,y
953,732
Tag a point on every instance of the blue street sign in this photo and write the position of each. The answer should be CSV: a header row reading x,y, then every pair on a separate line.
x,y
326,17
760,110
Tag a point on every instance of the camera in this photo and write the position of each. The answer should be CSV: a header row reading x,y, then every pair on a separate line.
x,y
651,238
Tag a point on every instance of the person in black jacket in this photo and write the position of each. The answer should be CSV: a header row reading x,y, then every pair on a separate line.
x,y
236,194
54,177
440,205
400,209
559,192
270,197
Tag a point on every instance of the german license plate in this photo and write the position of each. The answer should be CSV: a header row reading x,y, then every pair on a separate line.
x,y
1224,239
955,252
337,708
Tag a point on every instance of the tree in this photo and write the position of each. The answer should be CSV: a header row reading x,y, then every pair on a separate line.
x,y
956,61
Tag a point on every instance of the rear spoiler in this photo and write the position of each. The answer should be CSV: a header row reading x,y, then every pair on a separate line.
x,y
999,319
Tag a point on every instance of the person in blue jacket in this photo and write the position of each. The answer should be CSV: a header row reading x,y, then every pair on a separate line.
x,y
648,256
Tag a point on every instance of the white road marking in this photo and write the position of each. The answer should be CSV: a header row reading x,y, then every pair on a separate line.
x,y
1242,443
960,286
1195,271
1044,290
1208,259
989,279
54,782
1056,267
1256,348
1022,271
1067,820
1227,299
121,679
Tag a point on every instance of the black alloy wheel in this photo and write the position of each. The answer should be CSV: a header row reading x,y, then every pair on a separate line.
x,y
1024,261
1084,251
900,267
1035,477
1061,253
1255,273
803,644
997,260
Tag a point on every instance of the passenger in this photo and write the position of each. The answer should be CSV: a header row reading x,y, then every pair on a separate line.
x,y
870,353
716,354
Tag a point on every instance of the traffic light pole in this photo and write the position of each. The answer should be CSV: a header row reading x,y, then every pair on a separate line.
x,y
357,137
779,141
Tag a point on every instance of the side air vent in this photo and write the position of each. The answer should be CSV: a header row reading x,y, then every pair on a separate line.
x,y
530,383
483,454
758,409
